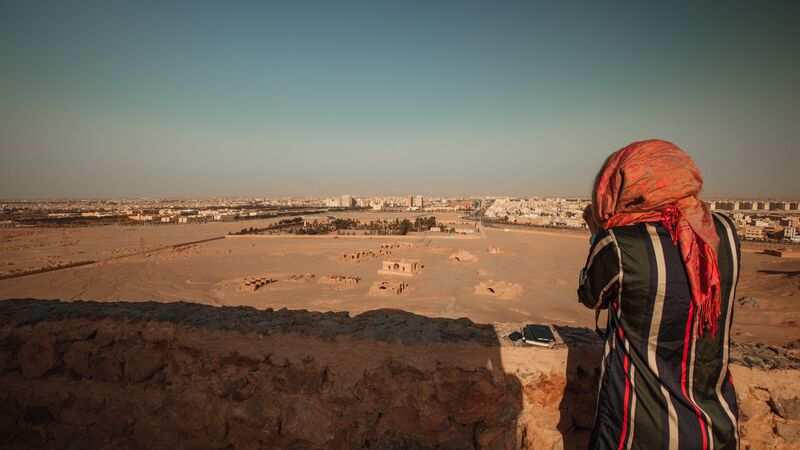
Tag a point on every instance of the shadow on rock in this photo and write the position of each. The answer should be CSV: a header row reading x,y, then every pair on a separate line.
x,y
155,375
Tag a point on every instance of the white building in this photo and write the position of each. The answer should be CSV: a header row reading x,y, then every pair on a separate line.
x,y
347,201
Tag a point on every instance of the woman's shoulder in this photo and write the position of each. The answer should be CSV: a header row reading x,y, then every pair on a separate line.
x,y
722,221
726,230
627,232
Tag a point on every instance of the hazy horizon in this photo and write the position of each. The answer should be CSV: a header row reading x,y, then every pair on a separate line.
x,y
202,99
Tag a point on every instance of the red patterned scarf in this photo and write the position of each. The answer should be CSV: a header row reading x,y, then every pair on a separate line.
x,y
655,181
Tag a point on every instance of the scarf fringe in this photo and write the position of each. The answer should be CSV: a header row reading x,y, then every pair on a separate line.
x,y
708,307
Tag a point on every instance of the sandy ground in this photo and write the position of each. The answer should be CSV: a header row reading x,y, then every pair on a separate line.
x,y
541,266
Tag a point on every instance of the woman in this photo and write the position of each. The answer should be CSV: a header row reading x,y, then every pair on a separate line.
x,y
666,270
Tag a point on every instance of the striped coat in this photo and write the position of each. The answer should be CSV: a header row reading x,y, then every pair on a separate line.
x,y
661,387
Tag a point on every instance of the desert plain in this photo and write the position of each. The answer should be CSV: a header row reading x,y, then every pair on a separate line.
x,y
493,275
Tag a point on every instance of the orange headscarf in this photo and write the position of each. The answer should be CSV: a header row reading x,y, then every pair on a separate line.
x,y
655,181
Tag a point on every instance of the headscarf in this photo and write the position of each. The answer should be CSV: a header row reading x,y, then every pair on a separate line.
x,y
655,181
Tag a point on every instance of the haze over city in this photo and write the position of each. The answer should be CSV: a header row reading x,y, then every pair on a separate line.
x,y
127,99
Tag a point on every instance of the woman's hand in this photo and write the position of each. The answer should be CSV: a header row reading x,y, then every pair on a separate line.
x,y
588,217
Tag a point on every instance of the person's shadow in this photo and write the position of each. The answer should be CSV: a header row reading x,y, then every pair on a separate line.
x,y
577,407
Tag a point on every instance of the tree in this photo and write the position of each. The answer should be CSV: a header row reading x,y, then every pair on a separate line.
x,y
405,226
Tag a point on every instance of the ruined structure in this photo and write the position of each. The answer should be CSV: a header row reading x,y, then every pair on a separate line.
x,y
300,278
494,250
388,287
463,256
400,266
341,281
498,289
365,255
256,283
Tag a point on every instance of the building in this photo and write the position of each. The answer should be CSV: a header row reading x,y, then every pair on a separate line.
x,y
461,205
419,202
400,266
753,233
347,201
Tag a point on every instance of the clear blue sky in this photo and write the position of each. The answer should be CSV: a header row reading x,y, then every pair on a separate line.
x,y
150,98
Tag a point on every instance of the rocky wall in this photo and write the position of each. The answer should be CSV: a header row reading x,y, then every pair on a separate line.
x,y
182,375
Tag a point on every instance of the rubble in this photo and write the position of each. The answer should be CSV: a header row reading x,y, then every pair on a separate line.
x,y
388,287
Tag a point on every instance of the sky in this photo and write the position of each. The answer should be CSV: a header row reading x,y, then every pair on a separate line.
x,y
194,98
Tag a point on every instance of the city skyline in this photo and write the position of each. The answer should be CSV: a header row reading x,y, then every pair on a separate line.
x,y
194,99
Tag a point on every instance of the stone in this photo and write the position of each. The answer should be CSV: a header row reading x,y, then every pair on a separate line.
x,y
10,411
310,419
241,436
141,363
156,433
788,408
149,434
296,380
547,390
503,438
83,439
257,414
235,388
104,337
77,358
157,332
7,361
36,357
81,332
82,411
748,302
37,415
432,415
790,432
105,367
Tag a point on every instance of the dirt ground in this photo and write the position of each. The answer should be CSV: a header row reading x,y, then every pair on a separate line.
x,y
544,264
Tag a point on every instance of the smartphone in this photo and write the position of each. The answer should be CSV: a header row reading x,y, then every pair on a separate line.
x,y
538,335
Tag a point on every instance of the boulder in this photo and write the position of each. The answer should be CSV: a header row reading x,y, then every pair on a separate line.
x,y
790,432
36,357
788,408
77,358
141,363
308,418
105,367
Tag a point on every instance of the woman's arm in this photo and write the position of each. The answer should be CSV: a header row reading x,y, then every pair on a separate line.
x,y
599,277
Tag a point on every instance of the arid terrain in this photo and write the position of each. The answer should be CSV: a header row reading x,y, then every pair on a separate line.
x,y
491,276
